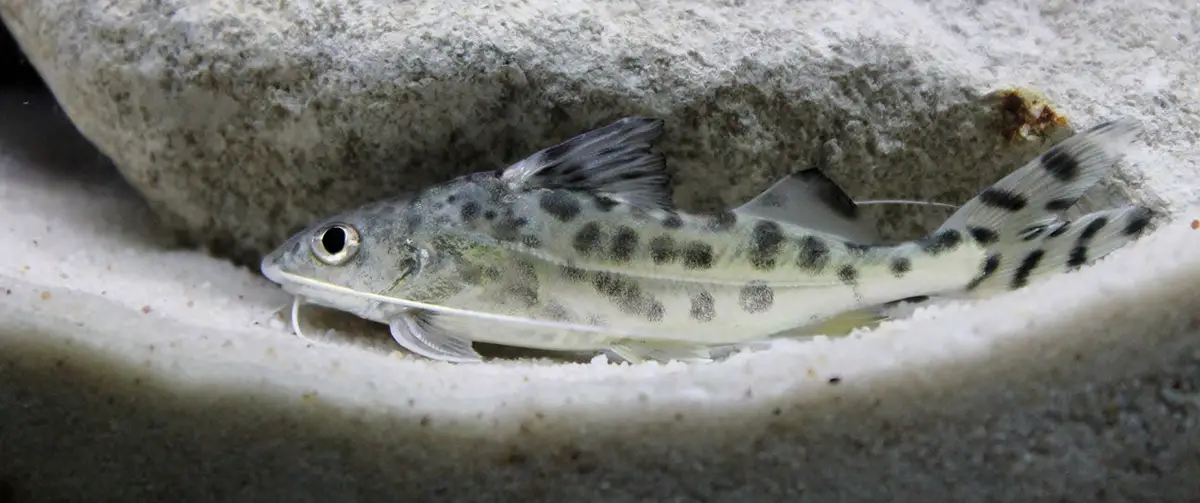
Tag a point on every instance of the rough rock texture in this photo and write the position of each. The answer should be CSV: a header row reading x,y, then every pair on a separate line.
x,y
241,120
131,371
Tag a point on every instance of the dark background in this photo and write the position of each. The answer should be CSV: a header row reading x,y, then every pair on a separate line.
x,y
15,70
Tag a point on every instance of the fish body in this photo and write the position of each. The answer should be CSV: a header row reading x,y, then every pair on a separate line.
x,y
579,247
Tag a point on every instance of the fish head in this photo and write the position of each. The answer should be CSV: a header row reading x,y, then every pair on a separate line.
x,y
350,260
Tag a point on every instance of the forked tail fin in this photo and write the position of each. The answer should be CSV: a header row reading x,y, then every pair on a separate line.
x,y
1018,219
1059,247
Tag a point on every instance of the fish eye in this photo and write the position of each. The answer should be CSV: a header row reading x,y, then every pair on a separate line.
x,y
334,244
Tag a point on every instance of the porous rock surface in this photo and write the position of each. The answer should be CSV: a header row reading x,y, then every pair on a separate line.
x,y
240,121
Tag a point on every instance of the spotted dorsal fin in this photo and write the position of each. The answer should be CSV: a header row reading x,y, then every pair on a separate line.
x,y
614,161
810,199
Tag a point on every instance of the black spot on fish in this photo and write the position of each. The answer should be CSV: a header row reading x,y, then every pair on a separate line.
x,y
1003,199
1032,233
473,275
1077,257
508,228
813,255
586,238
672,222
468,211
662,249
573,273
452,199
989,267
495,192
722,221
655,310
1060,204
624,243
524,294
697,255
413,221
1060,164
491,273
1138,221
983,235
526,272
901,266
531,241
519,282
756,298
1028,264
489,214
703,307
604,204
557,312
765,241
625,293
941,242
560,204
848,274
1060,230
611,285
1092,228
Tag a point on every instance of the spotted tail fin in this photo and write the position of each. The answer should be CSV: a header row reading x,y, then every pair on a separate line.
x,y
1039,192
1059,247
1019,219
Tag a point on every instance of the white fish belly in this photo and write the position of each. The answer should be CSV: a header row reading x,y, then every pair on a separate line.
x,y
619,306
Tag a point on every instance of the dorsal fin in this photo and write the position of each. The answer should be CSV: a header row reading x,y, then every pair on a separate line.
x,y
614,161
810,199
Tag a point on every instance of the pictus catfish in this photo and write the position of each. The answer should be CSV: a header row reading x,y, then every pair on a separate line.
x,y
579,248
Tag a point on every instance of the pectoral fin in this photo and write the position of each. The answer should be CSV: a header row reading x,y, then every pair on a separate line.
x,y
419,333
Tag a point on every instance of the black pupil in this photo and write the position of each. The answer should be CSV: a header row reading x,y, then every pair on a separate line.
x,y
334,240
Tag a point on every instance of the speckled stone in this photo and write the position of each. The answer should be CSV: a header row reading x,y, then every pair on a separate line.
x,y
240,121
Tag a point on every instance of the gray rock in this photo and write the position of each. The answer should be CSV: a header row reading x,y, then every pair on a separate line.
x,y
241,121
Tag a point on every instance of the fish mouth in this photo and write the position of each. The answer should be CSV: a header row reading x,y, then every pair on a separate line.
x,y
271,268
273,272
317,292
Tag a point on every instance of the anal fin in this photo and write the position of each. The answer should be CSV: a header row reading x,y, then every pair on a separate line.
x,y
846,322
419,333
641,351
865,317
